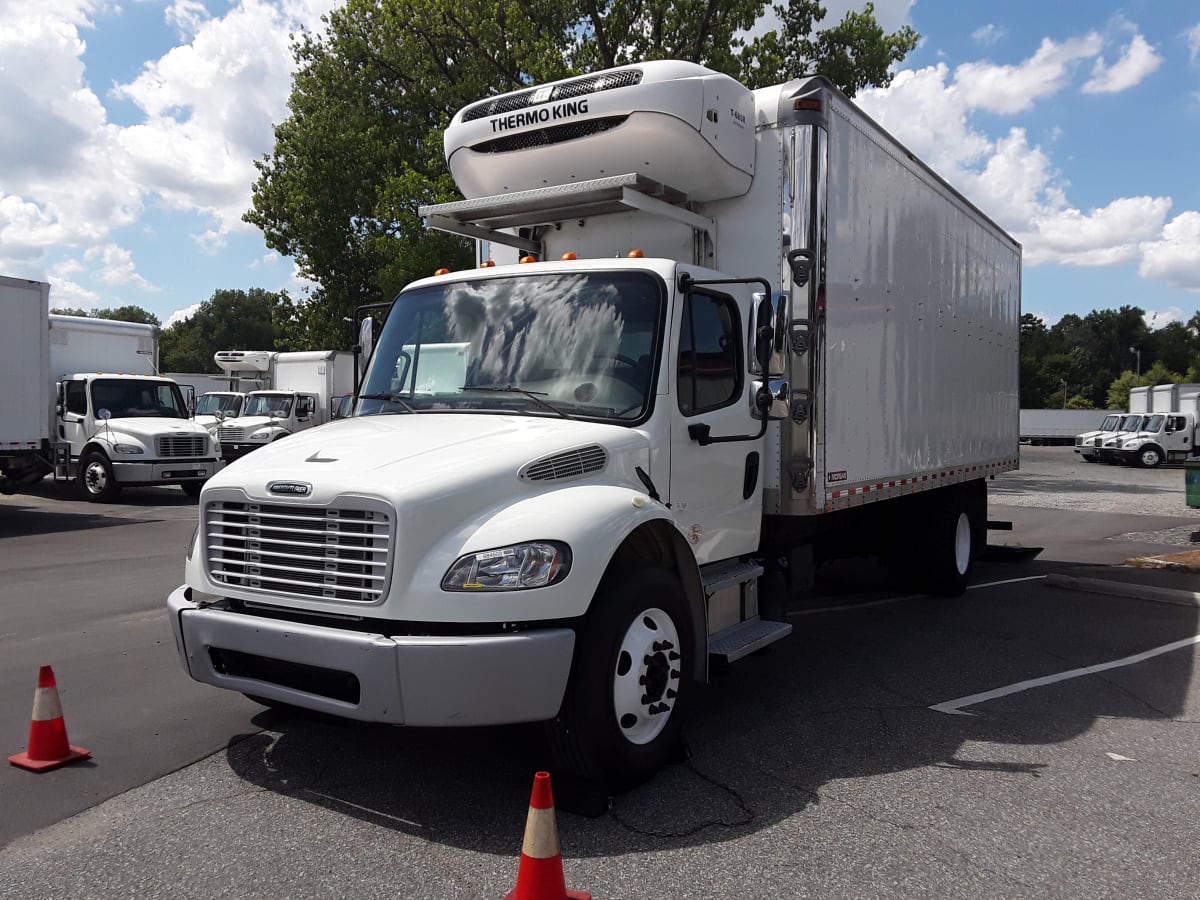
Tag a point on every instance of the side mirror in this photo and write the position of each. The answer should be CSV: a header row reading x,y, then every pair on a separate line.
x,y
104,413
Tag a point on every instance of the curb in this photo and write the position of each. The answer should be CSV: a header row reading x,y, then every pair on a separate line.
x,y
1155,562
1122,589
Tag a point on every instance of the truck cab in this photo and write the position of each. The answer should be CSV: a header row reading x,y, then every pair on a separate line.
x,y
1108,444
1087,445
268,416
118,430
214,407
1162,437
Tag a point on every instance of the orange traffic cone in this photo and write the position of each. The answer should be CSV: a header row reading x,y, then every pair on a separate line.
x,y
48,747
540,875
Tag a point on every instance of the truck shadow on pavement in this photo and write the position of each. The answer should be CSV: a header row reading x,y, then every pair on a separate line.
x,y
837,716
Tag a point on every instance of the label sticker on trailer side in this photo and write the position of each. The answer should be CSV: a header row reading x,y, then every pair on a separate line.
x,y
835,477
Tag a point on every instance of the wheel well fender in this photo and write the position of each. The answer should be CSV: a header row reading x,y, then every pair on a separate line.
x,y
658,543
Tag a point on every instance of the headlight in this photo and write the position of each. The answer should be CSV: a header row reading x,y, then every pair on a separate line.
x,y
127,448
516,568
261,436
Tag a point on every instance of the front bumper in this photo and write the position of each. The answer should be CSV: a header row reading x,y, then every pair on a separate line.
x,y
418,680
169,472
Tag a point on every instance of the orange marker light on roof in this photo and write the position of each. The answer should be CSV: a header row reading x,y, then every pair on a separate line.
x,y
528,259
487,264
568,255
636,254
442,271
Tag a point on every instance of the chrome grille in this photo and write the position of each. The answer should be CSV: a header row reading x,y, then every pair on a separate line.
x,y
231,433
181,444
576,87
338,552
570,464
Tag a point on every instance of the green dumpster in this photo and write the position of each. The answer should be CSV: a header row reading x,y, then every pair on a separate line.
x,y
1191,482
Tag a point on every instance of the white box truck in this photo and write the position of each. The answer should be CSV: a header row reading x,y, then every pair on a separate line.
x,y
115,421
25,361
751,333
1159,437
305,387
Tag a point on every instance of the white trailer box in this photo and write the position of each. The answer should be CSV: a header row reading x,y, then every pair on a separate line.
x,y
79,344
1139,400
1061,426
1165,398
25,363
598,469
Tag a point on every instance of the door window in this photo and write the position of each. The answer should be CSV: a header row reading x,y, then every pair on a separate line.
x,y
710,366
76,397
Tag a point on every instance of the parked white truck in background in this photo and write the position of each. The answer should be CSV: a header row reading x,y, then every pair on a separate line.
x,y
109,419
304,387
1087,444
1158,437
642,449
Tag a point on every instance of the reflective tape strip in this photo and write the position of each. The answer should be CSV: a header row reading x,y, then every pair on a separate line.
x,y
46,705
541,834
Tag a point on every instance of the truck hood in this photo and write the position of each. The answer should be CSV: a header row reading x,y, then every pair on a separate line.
x,y
251,423
404,457
151,427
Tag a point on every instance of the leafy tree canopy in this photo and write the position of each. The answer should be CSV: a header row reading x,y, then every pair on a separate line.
x,y
361,149
128,313
229,320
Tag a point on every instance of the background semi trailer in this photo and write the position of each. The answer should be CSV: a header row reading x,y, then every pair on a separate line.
x,y
751,333
1060,426
25,362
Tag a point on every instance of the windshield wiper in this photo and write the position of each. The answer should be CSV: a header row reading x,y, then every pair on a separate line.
x,y
391,398
535,396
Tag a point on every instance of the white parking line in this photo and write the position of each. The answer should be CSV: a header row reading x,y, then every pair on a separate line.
x,y
886,600
955,707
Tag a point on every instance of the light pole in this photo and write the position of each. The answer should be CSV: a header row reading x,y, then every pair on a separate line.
x,y
1138,354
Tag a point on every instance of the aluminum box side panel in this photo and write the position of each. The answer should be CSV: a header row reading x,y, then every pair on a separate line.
x,y
25,364
920,346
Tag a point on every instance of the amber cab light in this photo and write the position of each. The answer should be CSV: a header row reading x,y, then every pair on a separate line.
x,y
442,271
528,259
636,254
487,264
568,255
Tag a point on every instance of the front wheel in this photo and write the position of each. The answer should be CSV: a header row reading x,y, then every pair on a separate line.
x,y
192,488
631,682
97,479
1149,457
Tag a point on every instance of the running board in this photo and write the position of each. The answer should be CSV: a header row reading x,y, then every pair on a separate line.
x,y
745,638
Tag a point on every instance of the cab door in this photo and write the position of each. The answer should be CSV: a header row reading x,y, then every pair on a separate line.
x,y
74,423
715,489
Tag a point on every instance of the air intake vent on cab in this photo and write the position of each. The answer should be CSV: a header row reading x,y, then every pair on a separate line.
x,y
568,464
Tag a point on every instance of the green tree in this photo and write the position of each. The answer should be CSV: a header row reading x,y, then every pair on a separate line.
x,y
361,149
229,320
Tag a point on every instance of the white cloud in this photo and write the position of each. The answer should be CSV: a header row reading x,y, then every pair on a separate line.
x,y
1175,256
69,177
182,315
1013,89
1160,318
115,267
1137,61
1192,35
989,34
1015,182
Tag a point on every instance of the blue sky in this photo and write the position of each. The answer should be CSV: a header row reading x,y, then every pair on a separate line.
x,y
130,129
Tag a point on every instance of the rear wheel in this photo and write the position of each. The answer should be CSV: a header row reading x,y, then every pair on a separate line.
x,y
96,478
953,523
631,683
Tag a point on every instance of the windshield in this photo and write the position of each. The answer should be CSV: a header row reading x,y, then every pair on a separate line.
x,y
127,398
1110,423
1153,423
279,405
579,344
1131,423
210,404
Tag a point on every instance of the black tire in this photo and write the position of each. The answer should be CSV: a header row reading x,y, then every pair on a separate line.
x,y
1149,457
622,717
96,478
192,488
953,540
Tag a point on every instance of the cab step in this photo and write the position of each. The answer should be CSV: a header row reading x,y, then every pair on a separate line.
x,y
744,638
